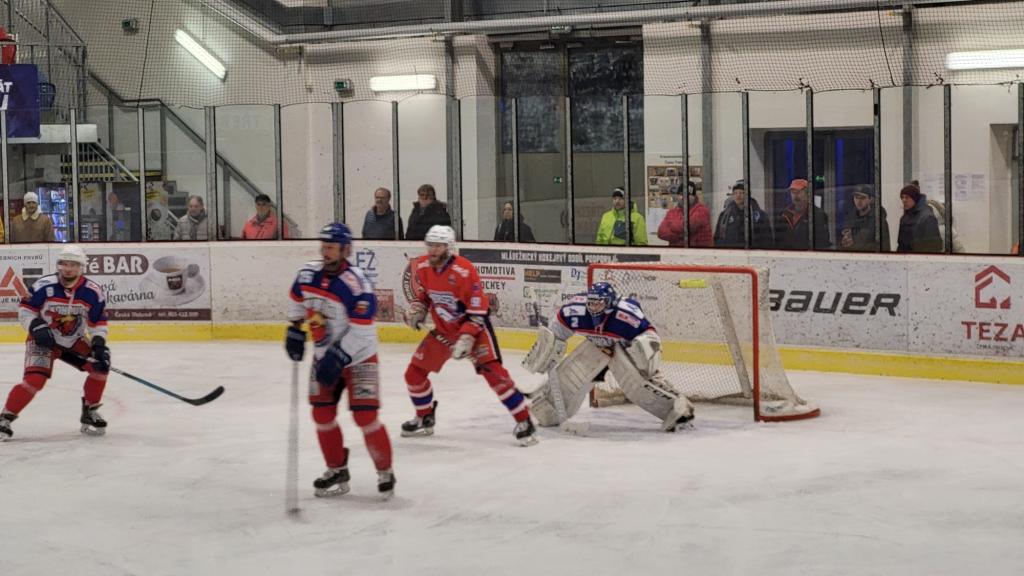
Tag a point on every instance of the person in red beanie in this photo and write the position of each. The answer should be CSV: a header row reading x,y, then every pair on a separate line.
x,y
791,224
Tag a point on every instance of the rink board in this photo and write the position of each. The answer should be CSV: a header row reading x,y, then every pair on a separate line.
x,y
926,316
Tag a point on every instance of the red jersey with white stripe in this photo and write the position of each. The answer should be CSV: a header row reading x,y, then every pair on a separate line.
x,y
69,312
338,308
453,293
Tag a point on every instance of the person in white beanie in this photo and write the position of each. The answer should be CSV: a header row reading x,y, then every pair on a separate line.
x,y
32,225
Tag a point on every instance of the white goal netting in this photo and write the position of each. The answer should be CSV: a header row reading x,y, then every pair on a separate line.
x,y
716,330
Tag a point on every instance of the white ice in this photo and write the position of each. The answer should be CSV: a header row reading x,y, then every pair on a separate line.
x,y
897,477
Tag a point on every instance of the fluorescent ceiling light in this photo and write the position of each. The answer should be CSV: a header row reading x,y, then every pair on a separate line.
x,y
985,59
397,83
202,54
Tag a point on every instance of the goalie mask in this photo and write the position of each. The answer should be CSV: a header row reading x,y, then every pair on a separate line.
x,y
601,298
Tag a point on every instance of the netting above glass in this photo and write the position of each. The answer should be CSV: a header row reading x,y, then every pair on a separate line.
x,y
295,51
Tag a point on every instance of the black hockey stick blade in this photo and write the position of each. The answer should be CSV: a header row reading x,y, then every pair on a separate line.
x,y
216,393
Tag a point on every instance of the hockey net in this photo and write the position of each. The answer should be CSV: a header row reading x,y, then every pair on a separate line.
x,y
716,331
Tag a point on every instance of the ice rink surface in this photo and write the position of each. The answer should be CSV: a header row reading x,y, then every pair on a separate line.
x,y
897,477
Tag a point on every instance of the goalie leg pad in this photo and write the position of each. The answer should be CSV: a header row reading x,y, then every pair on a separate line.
x,y
542,405
575,375
654,395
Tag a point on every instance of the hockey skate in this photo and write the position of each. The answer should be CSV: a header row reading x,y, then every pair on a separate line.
x,y
92,423
5,426
386,484
420,425
525,433
334,482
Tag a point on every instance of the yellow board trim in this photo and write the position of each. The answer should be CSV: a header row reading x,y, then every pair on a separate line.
x,y
992,370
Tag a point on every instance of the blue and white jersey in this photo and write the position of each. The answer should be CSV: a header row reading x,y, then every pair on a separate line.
x,y
69,312
622,323
338,309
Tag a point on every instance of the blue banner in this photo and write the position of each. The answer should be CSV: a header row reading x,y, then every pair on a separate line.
x,y
19,95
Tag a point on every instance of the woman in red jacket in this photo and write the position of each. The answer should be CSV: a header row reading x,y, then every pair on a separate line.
x,y
671,228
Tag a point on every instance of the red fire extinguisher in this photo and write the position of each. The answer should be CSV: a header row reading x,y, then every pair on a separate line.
x,y
8,47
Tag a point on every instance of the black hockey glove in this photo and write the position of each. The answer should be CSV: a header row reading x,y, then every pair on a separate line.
x,y
328,370
100,355
41,334
295,343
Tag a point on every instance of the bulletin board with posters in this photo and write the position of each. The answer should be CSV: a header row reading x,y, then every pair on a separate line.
x,y
665,183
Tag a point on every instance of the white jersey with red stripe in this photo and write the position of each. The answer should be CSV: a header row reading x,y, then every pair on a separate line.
x,y
452,292
338,307
69,312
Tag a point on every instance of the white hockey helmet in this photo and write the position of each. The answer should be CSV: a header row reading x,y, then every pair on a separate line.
x,y
72,253
440,235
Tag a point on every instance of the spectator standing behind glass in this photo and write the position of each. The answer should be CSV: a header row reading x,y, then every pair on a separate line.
x,y
671,228
729,230
192,226
919,229
262,226
791,224
859,233
32,225
1,228
426,212
505,232
612,229
379,223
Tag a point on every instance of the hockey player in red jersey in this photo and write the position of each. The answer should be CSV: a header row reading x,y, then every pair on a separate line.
x,y
450,289
337,301
65,317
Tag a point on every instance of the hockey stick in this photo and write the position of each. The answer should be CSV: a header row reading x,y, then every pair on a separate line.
x,y
291,490
193,401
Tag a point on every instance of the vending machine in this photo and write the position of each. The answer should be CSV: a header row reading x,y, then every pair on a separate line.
x,y
55,202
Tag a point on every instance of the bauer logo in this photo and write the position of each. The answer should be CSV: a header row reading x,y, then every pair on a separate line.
x,y
992,289
822,302
117,265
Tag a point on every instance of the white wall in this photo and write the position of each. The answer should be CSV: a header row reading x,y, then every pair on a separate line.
x,y
368,160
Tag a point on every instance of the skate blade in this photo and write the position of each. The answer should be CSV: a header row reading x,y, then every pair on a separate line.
x,y
527,441
336,490
387,495
688,425
93,431
4,437
420,432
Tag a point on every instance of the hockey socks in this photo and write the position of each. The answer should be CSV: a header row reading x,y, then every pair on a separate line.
x,y
332,444
502,385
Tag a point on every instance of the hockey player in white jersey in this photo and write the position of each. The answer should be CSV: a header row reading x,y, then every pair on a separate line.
x,y
620,340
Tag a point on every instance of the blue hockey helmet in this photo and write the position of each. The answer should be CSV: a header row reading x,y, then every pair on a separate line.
x,y
601,297
337,233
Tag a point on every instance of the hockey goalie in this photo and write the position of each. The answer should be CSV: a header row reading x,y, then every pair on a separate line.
x,y
618,339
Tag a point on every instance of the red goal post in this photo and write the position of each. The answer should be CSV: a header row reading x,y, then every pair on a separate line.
x,y
717,339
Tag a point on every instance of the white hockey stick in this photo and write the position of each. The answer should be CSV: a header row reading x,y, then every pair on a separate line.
x,y
291,490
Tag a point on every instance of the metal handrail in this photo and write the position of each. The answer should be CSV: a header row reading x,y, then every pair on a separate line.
x,y
197,139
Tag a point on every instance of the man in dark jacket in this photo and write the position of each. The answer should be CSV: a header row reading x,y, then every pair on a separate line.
x,y
505,232
729,230
379,223
791,224
919,229
426,212
859,233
